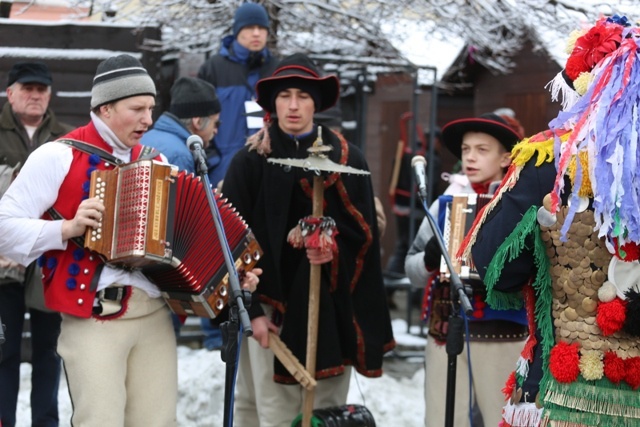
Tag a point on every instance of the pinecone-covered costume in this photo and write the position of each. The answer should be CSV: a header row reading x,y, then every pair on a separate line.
x,y
563,229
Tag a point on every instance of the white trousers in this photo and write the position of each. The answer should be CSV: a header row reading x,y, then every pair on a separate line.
x,y
261,402
122,372
491,362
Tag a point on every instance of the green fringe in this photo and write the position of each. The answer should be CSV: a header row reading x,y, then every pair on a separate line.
x,y
510,249
606,404
527,229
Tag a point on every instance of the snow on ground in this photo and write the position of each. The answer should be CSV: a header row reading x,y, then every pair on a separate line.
x,y
201,374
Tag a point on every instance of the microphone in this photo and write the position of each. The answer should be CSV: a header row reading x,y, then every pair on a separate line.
x,y
418,164
195,144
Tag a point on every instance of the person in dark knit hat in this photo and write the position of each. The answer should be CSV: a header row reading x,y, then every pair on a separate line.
x,y
116,341
354,329
194,110
483,144
26,122
243,59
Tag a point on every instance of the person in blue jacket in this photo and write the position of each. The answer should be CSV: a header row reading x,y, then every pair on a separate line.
x,y
243,59
194,110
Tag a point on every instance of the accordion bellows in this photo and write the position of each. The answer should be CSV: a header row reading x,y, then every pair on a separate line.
x,y
159,221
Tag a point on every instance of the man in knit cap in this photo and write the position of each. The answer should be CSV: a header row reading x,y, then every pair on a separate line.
x,y
116,340
194,110
111,357
243,60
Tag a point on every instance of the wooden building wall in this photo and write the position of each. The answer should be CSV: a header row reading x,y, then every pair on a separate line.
x,y
522,90
72,52
391,98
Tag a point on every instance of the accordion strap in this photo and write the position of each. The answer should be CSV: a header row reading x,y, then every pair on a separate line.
x,y
55,215
146,153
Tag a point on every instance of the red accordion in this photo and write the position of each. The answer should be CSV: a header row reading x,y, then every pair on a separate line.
x,y
159,221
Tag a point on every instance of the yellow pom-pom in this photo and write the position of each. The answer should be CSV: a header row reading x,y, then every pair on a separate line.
x,y
581,84
571,42
591,365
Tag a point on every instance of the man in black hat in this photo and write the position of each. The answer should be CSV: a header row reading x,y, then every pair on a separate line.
x,y
26,122
243,59
483,144
354,328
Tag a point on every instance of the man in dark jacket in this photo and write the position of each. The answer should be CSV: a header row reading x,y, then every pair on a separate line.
x,y
243,60
354,328
26,122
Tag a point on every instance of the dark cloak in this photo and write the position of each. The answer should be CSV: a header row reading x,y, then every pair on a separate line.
x,y
354,322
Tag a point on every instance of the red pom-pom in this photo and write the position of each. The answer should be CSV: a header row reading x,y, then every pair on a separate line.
x,y
564,362
610,316
509,386
613,367
632,372
630,250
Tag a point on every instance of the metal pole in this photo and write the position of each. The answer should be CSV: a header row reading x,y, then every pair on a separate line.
x,y
413,145
431,185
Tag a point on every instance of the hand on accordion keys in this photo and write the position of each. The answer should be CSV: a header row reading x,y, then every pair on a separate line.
x,y
432,254
88,214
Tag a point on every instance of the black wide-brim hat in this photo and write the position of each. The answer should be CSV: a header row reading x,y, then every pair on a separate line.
x,y
298,71
488,123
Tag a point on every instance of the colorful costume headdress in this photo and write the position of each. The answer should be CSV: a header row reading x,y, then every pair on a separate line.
x,y
605,126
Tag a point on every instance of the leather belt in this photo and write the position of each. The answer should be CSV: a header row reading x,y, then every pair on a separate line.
x,y
497,330
111,293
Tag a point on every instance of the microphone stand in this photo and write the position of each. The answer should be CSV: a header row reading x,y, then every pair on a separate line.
x,y
2,339
231,333
455,341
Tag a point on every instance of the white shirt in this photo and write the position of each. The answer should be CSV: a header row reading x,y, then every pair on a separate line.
x,y
25,236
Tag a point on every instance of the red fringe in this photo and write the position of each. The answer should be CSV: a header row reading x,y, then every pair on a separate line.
x,y
509,386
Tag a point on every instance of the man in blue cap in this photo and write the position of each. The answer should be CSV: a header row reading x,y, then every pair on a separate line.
x,y
243,60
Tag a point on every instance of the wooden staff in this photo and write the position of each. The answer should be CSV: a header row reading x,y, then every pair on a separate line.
x,y
290,362
314,308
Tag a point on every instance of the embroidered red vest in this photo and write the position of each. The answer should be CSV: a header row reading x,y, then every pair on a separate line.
x,y
71,276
